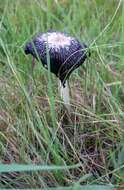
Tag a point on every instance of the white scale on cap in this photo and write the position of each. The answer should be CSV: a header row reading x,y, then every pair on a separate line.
x,y
56,40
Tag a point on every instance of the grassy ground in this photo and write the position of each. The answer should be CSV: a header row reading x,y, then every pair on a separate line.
x,y
32,128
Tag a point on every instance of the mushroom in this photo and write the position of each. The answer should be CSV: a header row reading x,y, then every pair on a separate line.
x,y
66,54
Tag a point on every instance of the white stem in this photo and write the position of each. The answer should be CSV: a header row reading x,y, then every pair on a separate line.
x,y
64,93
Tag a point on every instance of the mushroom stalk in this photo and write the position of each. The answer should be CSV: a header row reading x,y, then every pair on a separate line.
x,y
64,94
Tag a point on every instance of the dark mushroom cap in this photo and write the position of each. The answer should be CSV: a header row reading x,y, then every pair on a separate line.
x,y
66,53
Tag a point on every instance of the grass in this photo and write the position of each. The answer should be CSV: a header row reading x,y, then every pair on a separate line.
x,y
33,130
